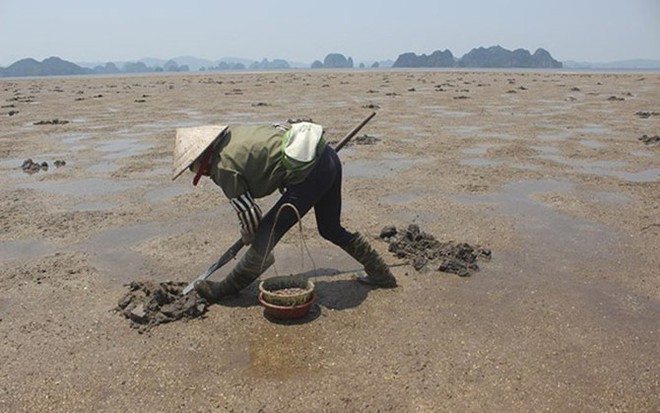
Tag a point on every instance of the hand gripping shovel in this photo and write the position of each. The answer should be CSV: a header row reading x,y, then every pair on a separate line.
x,y
236,246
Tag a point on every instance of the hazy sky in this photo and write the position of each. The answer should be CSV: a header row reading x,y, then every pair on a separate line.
x,y
304,31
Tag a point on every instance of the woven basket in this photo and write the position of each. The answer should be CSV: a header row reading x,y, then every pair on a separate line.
x,y
287,312
270,286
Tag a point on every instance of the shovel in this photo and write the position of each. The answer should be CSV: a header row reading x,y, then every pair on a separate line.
x,y
236,246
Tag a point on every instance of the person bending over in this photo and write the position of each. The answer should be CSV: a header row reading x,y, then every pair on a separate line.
x,y
249,162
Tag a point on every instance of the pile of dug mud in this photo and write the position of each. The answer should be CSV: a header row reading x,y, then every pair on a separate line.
x,y
148,304
424,252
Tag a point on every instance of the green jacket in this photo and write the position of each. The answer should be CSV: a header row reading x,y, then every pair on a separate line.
x,y
248,158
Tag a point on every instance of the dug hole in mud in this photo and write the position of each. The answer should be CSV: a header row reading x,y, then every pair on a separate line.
x,y
149,304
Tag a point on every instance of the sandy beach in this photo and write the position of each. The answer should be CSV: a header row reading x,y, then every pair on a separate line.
x,y
545,169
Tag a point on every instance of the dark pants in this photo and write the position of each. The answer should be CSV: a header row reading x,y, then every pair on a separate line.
x,y
321,190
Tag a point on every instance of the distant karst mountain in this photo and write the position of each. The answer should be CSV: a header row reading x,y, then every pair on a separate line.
x,y
492,57
53,66
499,57
436,59
334,61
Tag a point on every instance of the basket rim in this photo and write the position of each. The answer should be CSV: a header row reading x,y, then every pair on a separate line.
x,y
265,303
309,287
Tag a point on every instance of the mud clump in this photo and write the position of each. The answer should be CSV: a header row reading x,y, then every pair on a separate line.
x,y
424,252
148,304
31,167
646,114
298,120
650,140
51,122
366,140
359,140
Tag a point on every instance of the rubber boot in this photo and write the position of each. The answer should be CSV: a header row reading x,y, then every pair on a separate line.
x,y
248,269
378,274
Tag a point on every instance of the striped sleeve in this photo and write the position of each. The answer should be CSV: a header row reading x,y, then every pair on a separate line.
x,y
248,212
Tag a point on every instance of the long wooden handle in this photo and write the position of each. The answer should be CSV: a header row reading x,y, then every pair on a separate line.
x,y
352,133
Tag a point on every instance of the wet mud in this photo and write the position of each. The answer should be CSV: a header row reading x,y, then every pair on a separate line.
x,y
149,304
564,194
425,253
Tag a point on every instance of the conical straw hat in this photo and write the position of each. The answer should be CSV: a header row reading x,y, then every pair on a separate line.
x,y
191,143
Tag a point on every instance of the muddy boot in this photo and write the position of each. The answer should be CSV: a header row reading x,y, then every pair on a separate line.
x,y
248,269
378,274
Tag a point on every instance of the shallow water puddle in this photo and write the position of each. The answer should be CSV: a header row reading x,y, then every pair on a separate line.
x,y
592,144
398,199
378,169
525,166
103,167
557,238
479,162
588,129
611,198
545,149
24,249
158,172
565,255
594,129
50,158
441,110
642,154
76,138
467,131
94,206
553,137
122,148
606,168
480,149
112,250
14,163
83,187
165,193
